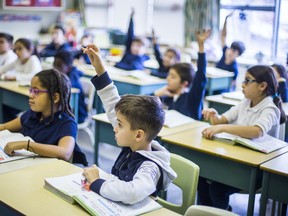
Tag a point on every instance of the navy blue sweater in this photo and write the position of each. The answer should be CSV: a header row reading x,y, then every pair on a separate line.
x,y
162,71
130,61
51,49
191,103
233,67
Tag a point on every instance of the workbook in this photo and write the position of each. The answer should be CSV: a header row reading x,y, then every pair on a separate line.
x,y
264,144
70,189
174,118
5,137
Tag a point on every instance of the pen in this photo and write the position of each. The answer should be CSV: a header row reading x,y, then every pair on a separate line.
x,y
84,184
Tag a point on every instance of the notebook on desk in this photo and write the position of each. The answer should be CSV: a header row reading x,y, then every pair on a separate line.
x,y
236,95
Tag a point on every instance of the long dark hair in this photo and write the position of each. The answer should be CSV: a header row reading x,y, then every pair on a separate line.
x,y
57,82
265,73
28,44
281,70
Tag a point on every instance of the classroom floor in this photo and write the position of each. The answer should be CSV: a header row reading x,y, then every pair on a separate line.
x,y
108,154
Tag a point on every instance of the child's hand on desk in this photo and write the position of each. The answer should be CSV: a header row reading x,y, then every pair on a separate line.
x,y
91,173
209,114
11,146
209,132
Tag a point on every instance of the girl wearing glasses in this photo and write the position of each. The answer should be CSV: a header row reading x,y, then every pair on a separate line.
x,y
50,122
259,113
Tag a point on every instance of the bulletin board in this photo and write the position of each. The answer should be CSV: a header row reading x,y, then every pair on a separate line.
x,y
33,4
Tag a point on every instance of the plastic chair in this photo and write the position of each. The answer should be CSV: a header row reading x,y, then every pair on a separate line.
x,y
187,180
199,210
89,92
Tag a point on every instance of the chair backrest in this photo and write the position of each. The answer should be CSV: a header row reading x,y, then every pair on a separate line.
x,y
198,210
282,132
89,92
187,180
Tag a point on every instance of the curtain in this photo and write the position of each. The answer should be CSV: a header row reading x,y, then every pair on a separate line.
x,y
200,14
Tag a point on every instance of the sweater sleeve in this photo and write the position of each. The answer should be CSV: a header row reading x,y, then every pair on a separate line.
x,y
143,184
130,35
158,55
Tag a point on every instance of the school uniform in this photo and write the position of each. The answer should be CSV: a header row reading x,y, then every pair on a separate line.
x,y
50,132
7,58
233,67
266,116
51,49
162,71
138,174
23,72
74,76
191,103
283,91
130,61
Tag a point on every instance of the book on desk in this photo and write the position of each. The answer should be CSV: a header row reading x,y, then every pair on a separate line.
x,y
5,137
174,118
265,144
70,189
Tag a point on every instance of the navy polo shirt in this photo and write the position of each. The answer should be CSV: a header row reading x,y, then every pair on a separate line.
x,y
50,132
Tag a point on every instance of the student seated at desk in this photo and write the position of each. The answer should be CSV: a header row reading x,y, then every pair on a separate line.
x,y
26,65
228,60
177,95
282,78
58,42
50,122
258,114
143,166
6,53
134,55
63,61
171,57
86,39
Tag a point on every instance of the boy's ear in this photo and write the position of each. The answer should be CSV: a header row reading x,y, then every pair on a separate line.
x,y
140,135
185,83
56,98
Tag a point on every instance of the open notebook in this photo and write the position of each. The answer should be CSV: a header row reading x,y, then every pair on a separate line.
x,y
69,188
264,144
174,118
5,137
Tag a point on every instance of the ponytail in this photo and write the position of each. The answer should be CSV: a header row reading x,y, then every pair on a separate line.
x,y
278,102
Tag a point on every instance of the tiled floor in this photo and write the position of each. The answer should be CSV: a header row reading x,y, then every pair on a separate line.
x,y
109,153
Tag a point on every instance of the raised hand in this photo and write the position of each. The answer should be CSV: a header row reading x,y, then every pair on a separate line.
x,y
202,36
93,53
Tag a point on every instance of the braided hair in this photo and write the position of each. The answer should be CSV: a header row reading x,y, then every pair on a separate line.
x,y
57,82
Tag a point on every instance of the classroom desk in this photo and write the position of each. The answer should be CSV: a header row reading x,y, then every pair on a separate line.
x,y
12,95
233,165
124,83
104,132
275,181
23,190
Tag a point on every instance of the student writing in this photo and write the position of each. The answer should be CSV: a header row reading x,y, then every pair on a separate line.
x,y
134,55
258,114
27,63
6,53
178,94
49,122
143,166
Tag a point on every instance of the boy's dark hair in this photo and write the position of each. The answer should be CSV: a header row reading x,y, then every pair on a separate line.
x,y
281,70
65,56
265,73
176,53
239,46
60,27
57,82
141,40
142,112
9,38
185,71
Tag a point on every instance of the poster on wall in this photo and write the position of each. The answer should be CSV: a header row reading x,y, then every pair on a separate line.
x,y
33,4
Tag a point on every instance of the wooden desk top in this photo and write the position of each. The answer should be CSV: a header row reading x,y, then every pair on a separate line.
x,y
220,99
165,130
192,139
23,190
14,86
277,165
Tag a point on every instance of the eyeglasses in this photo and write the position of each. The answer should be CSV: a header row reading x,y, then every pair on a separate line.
x,y
247,80
35,91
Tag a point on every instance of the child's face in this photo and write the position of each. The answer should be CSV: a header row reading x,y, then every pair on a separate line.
x,y
231,55
251,89
58,36
125,137
137,48
22,52
169,59
4,46
174,84
39,102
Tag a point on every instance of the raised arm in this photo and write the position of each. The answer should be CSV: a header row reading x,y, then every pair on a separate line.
x,y
224,30
130,32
